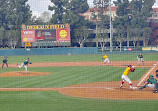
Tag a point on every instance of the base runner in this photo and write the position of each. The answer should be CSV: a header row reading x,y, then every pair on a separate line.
x,y
125,77
25,64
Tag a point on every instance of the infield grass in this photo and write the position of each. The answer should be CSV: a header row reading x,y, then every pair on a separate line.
x,y
66,76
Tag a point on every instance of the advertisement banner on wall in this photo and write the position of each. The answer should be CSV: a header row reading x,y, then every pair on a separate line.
x,y
48,35
28,35
63,34
146,48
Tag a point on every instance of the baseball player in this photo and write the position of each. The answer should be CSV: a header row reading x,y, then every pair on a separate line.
x,y
5,61
151,83
156,73
106,59
125,74
140,58
25,64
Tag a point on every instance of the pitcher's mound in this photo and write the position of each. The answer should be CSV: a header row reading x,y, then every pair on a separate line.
x,y
22,73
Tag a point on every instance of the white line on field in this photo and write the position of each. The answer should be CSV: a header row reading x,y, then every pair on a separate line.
x,y
147,74
91,87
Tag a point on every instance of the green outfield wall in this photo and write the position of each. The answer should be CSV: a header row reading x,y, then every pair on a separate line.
x,y
61,51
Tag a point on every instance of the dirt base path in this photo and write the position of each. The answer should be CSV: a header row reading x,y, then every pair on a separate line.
x,y
89,63
100,90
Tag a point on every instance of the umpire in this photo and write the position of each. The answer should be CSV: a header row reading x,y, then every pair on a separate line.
x,y
140,58
5,61
156,73
156,85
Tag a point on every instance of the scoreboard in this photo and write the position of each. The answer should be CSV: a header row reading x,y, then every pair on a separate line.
x,y
45,35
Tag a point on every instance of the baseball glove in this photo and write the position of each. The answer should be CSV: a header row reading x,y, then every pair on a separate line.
x,y
30,62
132,69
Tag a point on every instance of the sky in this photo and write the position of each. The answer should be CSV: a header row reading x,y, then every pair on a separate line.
x,y
39,6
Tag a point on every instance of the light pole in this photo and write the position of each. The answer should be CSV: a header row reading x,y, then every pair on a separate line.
x,y
110,27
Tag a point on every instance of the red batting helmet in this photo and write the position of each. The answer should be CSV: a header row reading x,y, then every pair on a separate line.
x,y
129,65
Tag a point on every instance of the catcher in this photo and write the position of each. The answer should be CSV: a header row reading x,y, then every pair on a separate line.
x,y
25,64
125,77
5,60
151,83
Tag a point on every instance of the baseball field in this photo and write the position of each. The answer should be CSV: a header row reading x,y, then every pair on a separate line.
x,y
76,83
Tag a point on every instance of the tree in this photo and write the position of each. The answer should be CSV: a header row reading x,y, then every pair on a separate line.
x,y
2,35
81,34
102,36
3,13
123,7
78,6
146,35
140,11
18,13
94,18
45,16
141,8
36,20
101,21
69,11
136,34
59,9
119,35
14,13
133,16
124,21
12,38
124,17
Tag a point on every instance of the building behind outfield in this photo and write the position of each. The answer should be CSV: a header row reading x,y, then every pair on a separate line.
x,y
153,24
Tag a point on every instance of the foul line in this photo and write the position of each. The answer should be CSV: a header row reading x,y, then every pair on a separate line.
x,y
56,88
108,88
147,74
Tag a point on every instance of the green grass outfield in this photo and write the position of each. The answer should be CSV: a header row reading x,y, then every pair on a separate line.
x,y
65,76
95,57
